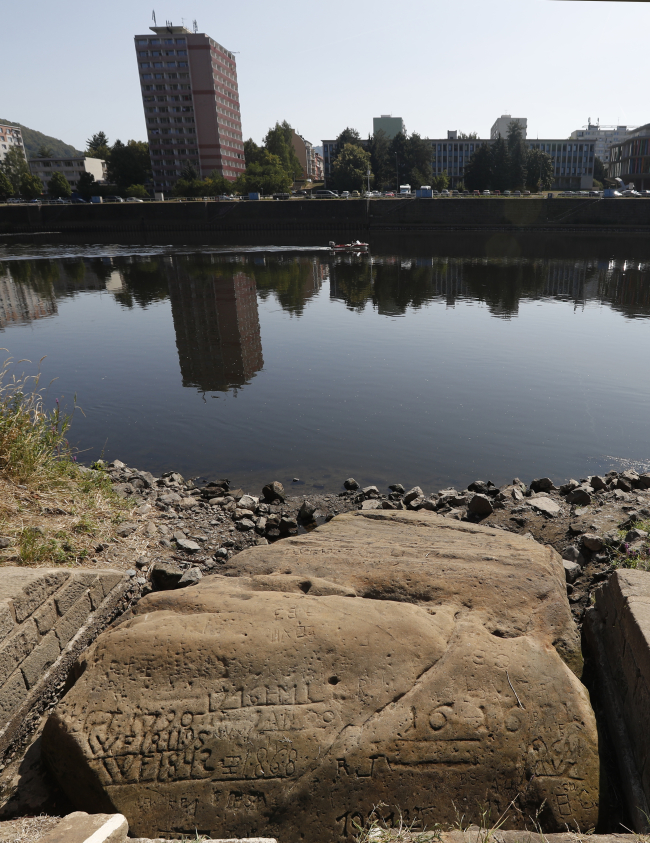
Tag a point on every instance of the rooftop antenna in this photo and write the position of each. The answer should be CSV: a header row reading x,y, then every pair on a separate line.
x,y
183,22
153,16
169,25
195,26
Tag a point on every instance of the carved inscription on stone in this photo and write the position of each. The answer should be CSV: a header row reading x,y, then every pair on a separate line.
x,y
238,711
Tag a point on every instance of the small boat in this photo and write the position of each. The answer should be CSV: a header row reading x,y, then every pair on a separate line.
x,y
355,246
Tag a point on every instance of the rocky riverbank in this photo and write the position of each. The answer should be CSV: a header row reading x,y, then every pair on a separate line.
x,y
190,529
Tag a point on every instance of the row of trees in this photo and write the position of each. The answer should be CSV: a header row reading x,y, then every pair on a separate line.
x,y
384,162
270,168
509,165
128,170
128,167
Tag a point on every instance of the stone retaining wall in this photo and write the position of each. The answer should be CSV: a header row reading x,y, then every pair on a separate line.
x,y
47,617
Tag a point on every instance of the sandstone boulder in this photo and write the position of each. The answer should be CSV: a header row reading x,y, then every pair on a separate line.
x,y
278,703
514,586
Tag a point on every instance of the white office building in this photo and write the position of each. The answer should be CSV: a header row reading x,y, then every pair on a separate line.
x,y
501,125
573,161
602,137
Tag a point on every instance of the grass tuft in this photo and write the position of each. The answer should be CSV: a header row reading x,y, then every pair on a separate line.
x,y
52,510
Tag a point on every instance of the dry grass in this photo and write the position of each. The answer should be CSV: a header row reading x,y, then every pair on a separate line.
x,y
27,830
52,510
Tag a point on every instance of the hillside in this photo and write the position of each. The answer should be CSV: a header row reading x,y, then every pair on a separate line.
x,y
35,140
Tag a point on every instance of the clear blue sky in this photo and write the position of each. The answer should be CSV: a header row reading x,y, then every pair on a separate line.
x,y
70,69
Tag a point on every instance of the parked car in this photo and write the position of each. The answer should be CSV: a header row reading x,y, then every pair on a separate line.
x,y
77,199
345,194
389,193
326,194
435,193
355,194
496,193
134,199
455,193
507,193
526,192
465,192
476,193
113,199
445,193
486,193
517,193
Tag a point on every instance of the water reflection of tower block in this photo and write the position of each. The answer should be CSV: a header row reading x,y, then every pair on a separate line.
x,y
22,303
217,330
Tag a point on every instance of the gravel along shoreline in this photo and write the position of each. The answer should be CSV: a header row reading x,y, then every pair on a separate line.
x,y
596,524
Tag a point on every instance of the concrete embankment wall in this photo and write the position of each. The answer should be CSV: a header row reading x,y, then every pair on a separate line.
x,y
355,217
617,635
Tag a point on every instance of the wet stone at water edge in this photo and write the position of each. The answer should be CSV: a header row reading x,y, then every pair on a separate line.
x,y
332,671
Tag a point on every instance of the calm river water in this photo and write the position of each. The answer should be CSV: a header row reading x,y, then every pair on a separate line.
x,y
425,363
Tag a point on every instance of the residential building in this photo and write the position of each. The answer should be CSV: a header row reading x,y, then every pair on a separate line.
x,y
501,124
11,137
388,124
319,167
602,136
573,162
71,168
630,158
191,104
307,157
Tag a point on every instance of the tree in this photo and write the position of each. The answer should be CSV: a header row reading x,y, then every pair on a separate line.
x,y
189,187
190,173
348,135
478,173
380,159
419,161
500,165
268,175
518,154
440,182
97,147
350,168
600,173
219,185
539,170
45,152
15,167
129,164
85,185
411,160
470,136
6,187
139,191
252,152
31,187
278,142
59,187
